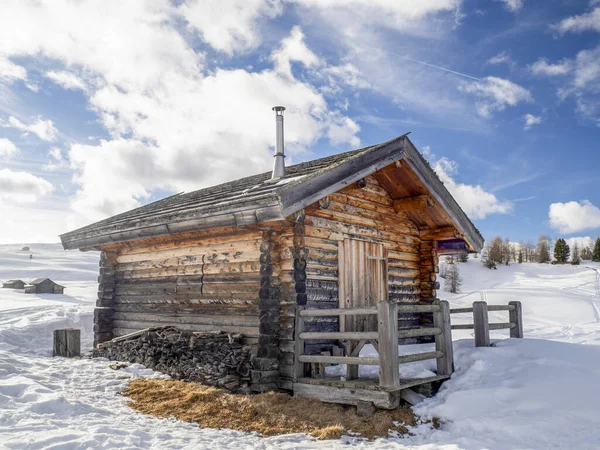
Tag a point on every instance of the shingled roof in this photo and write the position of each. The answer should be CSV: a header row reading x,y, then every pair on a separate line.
x,y
258,198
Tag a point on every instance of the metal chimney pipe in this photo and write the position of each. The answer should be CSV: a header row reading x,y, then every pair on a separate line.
x,y
279,164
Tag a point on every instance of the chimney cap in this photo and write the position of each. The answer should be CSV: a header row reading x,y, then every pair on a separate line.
x,y
278,108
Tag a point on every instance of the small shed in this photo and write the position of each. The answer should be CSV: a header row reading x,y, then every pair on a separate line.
x,y
346,231
43,286
14,284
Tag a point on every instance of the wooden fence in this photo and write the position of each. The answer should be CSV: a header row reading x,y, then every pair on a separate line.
x,y
481,323
385,340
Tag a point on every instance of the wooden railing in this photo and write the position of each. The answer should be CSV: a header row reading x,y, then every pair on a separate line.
x,y
481,323
385,339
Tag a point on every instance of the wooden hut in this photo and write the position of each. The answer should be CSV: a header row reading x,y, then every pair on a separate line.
x,y
43,286
344,231
14,284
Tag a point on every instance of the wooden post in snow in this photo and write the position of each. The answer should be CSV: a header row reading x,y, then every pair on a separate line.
x,y
516,317
67,342
389,373
443,341
482,326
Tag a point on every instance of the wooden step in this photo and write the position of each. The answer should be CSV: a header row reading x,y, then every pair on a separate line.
x,y
350,392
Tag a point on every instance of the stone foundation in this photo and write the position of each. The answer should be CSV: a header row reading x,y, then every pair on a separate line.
x,y
214,359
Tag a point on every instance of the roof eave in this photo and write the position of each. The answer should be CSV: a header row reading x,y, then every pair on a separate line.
x,y
429,178
307,191
239,217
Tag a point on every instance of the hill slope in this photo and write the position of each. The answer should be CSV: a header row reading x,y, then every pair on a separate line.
x,y
539,392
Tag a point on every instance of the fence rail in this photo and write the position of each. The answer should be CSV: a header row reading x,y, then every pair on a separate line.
x,y
385,339
481,323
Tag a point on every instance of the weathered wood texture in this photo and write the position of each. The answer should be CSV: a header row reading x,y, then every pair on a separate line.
x,y
200,282
361,214
482,327
67,342
104,312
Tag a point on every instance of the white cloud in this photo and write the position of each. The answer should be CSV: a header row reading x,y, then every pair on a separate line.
x,y
496,94
7,148
44,129
10,71
400,15
572,217
22,187
229,25
501,58
57,160
584,22
476,202
584,84
68,80
542,67
531,120
293,48
513,5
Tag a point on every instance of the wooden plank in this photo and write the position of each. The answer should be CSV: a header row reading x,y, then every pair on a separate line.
x,y
501,326
509,307
389,376
443,341
338,312
463,327
228,320
437,234
482,329
364,361
461,310
347,396
418,332
352,335
516,317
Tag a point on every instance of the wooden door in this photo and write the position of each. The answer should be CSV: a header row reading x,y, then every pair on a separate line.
x,y
362,281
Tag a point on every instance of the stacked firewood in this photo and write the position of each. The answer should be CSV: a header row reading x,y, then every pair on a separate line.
x,y
215,359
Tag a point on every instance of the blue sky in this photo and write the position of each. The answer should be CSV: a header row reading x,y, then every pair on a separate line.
x,y
105,106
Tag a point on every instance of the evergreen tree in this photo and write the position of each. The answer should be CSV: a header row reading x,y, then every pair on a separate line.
x,y
596,251
561,251
453,279
543,254
520,257
575,258
463,257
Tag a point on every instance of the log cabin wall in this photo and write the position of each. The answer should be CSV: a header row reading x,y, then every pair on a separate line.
x,y
207,281
363,212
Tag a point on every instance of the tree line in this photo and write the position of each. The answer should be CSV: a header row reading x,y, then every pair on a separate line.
x,y
502,251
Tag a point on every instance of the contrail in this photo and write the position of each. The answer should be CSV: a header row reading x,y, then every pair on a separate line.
x,y
440,68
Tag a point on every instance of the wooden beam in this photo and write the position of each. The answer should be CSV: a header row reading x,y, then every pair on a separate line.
x,y
482,327
439,234
413,203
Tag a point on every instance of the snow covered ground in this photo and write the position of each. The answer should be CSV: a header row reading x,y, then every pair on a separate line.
x,y
540,392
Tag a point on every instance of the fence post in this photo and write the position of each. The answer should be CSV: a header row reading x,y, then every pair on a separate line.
x,y
298,343
482,326
516,316
443,341
67,342
387,317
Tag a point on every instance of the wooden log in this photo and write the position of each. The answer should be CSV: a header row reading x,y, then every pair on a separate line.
x,y
387,317
438,234
67,343
357,336
298,343
502,326
516,316
417,203
443,341
482,328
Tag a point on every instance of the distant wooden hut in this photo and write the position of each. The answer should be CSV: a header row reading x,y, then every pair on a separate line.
x,y
344,231
14,284
25,249
43,286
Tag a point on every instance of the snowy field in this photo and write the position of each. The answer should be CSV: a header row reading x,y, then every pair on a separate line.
x,y
540,392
